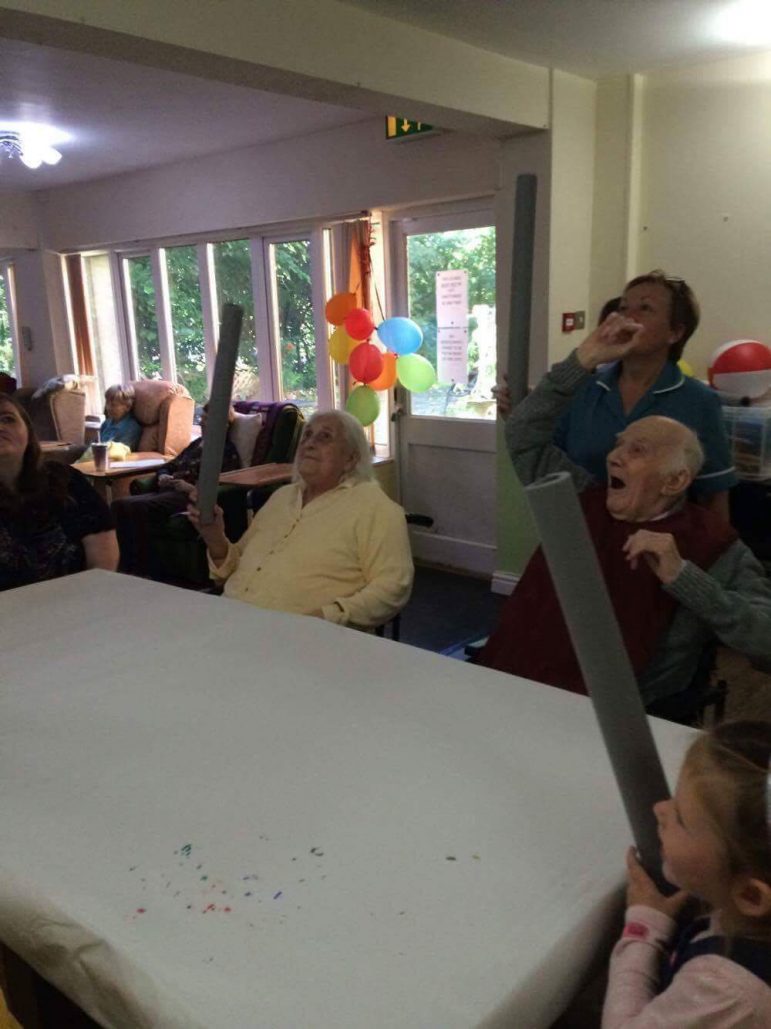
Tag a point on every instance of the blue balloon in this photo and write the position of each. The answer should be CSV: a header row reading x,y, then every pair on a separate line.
x,y
400,335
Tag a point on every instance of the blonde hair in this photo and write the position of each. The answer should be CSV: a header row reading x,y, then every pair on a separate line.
x,y
728,768
123,395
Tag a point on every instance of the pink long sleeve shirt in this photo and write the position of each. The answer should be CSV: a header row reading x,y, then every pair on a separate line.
x,y
709,991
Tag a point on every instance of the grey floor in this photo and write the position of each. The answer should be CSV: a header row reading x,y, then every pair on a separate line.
x,y
447,610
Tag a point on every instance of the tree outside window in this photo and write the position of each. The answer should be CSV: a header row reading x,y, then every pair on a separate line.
x,y
297,337
145,321
7,358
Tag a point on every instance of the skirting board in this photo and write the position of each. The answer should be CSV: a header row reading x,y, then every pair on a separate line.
x,y
466,556
503,583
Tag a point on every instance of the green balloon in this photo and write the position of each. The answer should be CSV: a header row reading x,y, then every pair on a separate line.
x,y
415,372
363,404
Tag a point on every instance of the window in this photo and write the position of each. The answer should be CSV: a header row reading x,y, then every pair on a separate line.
x,y
187,321
8,362
102,326
233,275
155,312
462,349
290,264
144,317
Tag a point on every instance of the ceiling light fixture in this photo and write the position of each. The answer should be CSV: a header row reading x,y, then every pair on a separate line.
x,y
744,21
32,150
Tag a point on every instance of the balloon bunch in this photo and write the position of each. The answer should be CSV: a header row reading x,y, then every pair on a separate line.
x,y
373,367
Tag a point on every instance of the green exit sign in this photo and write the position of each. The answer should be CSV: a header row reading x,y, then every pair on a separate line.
x,y
400,128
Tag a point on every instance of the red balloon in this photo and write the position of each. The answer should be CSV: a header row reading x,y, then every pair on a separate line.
x,y
365,362
358,324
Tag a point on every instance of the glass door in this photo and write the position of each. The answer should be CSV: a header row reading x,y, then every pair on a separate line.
x,y
443,274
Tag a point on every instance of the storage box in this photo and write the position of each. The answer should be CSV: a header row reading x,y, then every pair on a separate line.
x,y
749,435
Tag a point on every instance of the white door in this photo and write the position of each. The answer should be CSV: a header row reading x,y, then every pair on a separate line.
x,y
443,275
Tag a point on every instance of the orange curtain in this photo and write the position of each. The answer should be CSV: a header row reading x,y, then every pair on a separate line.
x,y
359,246
83,350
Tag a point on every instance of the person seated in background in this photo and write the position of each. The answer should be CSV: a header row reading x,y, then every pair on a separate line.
x,y
120,425
139,517
676,572
52,522
331,544
645,380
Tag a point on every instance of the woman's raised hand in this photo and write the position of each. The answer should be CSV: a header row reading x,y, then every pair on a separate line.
x,y
611,341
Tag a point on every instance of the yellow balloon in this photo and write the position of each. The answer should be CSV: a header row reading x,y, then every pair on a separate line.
x,y
685,368
341,345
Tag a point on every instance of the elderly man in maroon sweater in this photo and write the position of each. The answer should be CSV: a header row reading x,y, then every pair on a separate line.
x,y
676,573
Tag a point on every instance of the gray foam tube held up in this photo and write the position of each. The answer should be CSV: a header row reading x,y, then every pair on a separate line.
x,y
602,656
521,286
217,415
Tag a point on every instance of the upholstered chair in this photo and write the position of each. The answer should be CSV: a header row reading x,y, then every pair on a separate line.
x,y
165,412
57,414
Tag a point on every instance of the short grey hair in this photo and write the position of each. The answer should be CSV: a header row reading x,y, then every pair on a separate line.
x,y
689,453
354,438
123,394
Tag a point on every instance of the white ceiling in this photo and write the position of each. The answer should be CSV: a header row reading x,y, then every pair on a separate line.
x,y
124,116
588,37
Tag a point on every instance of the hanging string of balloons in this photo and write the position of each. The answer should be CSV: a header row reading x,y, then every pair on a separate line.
x,y
374,367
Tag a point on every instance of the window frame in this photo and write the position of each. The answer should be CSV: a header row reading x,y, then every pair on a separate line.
x,y
327,266
436,218
8,274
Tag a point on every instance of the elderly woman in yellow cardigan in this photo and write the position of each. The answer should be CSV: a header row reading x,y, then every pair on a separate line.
x,y
331,544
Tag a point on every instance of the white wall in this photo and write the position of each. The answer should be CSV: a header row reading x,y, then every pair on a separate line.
x,y
706,194
18,222
320,49
340,171
572,192
41,308
615,223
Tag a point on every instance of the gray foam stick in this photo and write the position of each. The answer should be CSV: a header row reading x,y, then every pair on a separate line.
x,y
219,406
600,650
521,286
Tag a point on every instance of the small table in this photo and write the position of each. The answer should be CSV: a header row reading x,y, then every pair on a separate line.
x,y
102,480
53,444
258,475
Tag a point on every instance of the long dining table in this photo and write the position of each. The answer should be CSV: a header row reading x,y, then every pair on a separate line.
x,y
224,817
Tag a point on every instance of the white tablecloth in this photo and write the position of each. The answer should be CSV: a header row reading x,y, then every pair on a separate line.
x,y
217,816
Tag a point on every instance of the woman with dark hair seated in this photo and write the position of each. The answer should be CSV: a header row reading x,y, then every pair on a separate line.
x,y
52,522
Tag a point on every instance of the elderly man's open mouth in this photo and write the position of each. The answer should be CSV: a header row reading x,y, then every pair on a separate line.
x,y
614,482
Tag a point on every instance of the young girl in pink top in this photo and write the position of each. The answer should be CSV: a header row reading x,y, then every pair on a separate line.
x,y
716,845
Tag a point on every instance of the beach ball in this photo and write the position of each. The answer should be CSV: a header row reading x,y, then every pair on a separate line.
x,y
741,369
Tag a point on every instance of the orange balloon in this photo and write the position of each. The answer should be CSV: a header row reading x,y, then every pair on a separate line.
x,y
387,377
339,306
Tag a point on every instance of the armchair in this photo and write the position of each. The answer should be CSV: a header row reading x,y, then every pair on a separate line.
x,y
57,413
165,412
171,550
